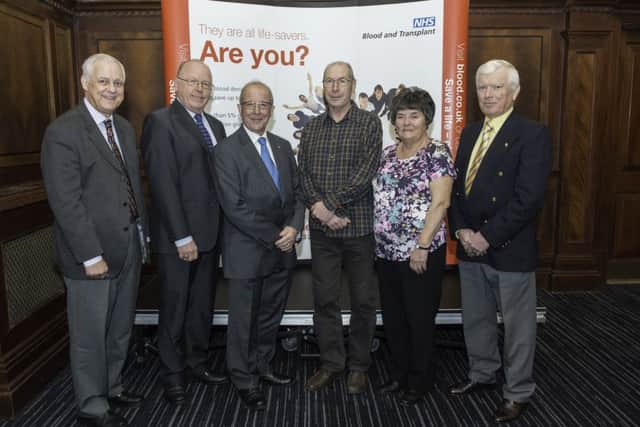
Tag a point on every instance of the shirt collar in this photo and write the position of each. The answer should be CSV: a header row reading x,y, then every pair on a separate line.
x,y
254,136
191,113
96,115
497,122
348,116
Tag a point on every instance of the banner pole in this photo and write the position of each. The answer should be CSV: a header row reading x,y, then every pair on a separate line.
x,y
175,35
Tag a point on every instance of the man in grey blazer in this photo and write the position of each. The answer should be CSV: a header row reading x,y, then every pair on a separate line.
x,y
177,142
503,163
90,171
263,213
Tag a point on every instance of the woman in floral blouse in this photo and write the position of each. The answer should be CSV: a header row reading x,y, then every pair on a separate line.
x,y
411,195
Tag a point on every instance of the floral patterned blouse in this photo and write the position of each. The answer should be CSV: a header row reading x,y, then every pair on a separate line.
x,y
402,198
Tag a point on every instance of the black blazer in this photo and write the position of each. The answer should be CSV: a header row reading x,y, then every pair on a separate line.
x,y
87,191
507,193
181,179
255,211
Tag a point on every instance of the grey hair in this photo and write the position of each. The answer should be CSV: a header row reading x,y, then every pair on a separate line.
x,y
494,65
89,64
346,64
255,83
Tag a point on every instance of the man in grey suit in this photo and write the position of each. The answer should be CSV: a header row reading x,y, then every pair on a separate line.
x,y
263,213
177,142
90,170
503,163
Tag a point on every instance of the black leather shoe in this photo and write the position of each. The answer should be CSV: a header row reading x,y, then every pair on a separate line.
x,y
206,376
274,378
253,398
410,397
108,419
509,410
126,400
390,386
175,394
469,386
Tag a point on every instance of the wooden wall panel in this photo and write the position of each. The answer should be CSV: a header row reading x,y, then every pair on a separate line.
x,y
142,59
578,108
626,226
24,118
525,49
65,75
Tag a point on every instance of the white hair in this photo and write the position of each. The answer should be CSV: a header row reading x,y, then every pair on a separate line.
x,y
89,64
494,65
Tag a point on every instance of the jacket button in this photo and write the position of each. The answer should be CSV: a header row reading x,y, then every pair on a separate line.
x,y
124,204
500,173
486,221
125,229
506,144
493,199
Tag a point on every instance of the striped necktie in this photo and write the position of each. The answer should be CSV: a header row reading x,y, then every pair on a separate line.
x,y
133,206
474,163
203,131
266,159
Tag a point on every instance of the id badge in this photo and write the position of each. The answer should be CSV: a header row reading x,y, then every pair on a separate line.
x,y
144,245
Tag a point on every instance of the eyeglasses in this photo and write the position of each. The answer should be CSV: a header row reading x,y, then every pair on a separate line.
x,y
340,82
261,106
104,83
204,84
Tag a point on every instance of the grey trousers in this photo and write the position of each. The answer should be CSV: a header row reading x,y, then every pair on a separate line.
x,y
485,290
256,307
100,315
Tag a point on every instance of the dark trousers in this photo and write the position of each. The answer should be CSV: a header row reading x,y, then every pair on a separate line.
x,y
410,303
187,293
256,307
329,255
100,315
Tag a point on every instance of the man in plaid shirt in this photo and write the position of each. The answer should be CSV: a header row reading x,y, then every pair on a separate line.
x,y
338,156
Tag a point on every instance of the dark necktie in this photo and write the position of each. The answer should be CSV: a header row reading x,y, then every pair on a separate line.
x,y
133,207
266,159
203,131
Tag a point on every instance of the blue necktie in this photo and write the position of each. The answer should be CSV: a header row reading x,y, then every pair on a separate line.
x,y
266,159
203,131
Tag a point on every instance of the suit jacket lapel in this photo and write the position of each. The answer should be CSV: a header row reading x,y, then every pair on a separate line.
x,y
282,164
96,137
184,119
254,157
127,145
502,143
465,150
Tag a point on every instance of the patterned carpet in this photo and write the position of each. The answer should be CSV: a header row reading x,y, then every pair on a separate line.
x,y
587,369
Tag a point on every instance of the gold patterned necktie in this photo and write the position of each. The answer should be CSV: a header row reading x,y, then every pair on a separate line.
x,y
474,163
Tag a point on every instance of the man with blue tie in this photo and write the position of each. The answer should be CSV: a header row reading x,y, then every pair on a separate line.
x,y
177,142
263,214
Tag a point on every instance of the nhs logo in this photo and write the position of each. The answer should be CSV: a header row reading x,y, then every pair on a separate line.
x,y
425,21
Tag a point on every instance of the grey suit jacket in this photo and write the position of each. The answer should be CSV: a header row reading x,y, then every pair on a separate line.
x,y
87,191
255,212
181,178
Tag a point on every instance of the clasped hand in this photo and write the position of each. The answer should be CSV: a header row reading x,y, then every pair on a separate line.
x,y
473,242
328,218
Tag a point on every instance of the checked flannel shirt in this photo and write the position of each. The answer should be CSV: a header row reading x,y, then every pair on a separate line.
x,y
337,162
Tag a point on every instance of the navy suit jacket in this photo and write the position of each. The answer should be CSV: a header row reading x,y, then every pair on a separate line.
x,y
507,193
181,178
255,212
